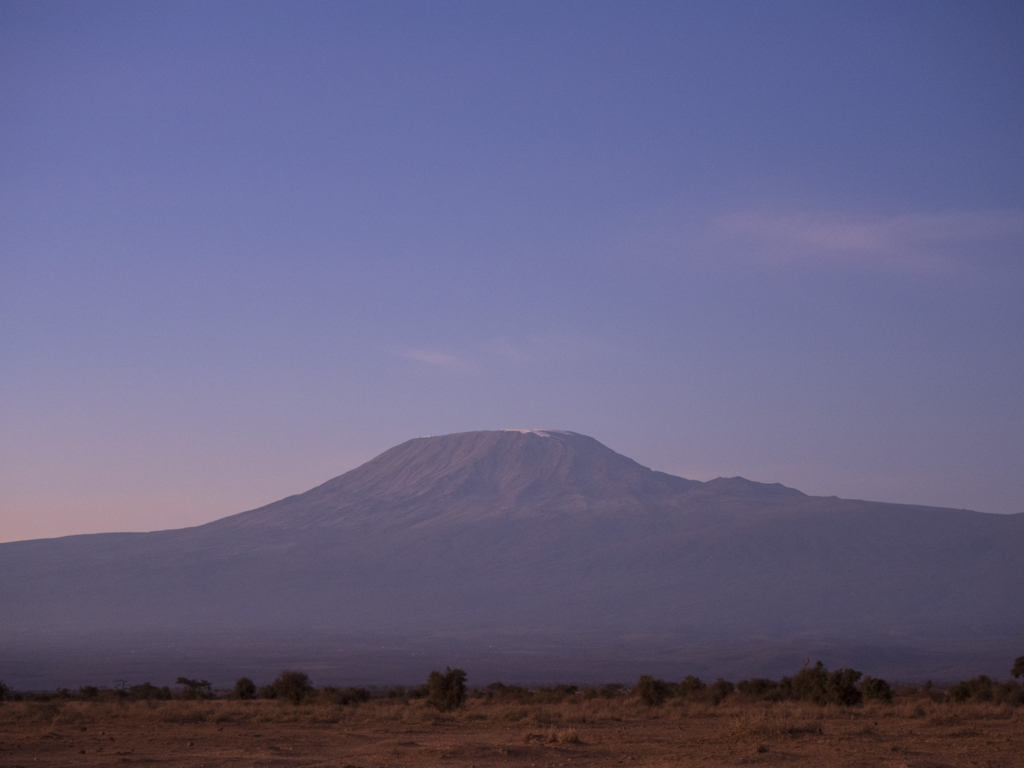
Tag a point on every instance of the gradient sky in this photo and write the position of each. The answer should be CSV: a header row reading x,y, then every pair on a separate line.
x,y
245,247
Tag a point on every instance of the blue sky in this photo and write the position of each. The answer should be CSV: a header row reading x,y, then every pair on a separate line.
x,y
246,246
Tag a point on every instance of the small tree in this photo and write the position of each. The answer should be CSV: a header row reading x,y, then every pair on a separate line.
x,y
195,689
447,691
652,692
148,691
691,685
292,686
4,690
244,689
1018,667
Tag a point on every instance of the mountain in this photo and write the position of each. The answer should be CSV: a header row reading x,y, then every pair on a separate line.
x,y
537,541
472,477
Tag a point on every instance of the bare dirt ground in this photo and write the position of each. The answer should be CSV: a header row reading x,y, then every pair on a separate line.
x,y
585,733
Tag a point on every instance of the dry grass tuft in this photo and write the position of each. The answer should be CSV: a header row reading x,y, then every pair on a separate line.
x,y
775,722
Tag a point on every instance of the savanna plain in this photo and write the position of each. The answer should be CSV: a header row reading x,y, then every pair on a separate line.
x,y
919,728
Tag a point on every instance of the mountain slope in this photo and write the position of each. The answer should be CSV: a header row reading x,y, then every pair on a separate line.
x,y
472,476
534,533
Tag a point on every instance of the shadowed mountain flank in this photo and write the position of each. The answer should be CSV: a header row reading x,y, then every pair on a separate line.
x,y
536,536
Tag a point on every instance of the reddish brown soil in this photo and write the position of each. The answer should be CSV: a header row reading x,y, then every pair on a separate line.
x,y
910,735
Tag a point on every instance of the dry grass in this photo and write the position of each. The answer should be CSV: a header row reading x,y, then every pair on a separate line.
x,y
600,732
759,717
778,721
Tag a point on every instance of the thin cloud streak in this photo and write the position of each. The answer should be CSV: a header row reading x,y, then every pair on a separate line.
x,y
937,242
437,359
549,346
502,352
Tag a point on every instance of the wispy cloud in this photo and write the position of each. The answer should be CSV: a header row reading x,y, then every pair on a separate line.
x,y
439,359
548,347
503,353
938,242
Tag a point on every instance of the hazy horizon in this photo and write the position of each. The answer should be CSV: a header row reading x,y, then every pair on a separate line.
x,y
246,247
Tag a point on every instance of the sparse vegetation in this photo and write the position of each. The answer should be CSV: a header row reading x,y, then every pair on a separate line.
x,y
512,724
806,715
447,692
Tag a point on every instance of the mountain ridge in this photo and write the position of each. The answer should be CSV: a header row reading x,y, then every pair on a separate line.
x,y
520,534
507,470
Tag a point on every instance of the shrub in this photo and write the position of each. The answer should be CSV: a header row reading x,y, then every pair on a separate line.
x,y
195,689
292,686
447,691
553,694
244,689
1018,667
841,688
720,689
4,691
691,685
806,685
266,692
652,692
816,684
980,689
343,696
877,689
757,687
512,693
88,693
1011,692
148,692
960,692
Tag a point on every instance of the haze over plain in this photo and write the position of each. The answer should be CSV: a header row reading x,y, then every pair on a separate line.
x,y
247,246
